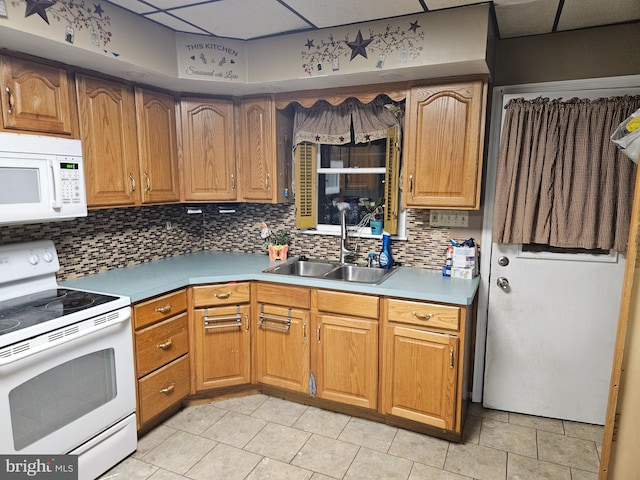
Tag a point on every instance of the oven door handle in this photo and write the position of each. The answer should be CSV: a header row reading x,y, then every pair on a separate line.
x,y
17,352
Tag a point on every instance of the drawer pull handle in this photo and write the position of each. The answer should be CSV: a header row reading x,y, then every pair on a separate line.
x,y
422,316
166,345
169,389
147,187
133,183
223,296
165,309
451,364
318,333
11,101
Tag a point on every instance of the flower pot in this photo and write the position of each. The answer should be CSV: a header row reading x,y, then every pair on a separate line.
x,y
376,227
278,252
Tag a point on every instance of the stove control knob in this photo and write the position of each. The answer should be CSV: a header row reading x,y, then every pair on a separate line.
x,y
33,259
47,256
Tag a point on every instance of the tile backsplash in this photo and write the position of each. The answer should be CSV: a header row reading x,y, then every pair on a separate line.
x,y
120,237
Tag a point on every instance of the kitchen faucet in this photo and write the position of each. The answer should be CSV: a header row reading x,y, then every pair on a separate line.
x,y
344,251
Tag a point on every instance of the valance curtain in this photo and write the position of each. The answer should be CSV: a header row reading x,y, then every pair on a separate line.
x,y
560,179
328,124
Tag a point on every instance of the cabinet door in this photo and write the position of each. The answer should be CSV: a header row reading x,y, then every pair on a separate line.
x,y
443,146
419,376
208,141
282,347
257,150
346,359
222,346
108,133
157,146
35,97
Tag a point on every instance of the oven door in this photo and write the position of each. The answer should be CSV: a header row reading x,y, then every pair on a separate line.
x,y
72,386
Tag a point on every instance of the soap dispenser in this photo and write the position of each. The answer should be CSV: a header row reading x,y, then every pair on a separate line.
x,y
385,259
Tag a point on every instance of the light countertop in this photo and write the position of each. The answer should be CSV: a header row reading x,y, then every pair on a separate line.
x,y
147,280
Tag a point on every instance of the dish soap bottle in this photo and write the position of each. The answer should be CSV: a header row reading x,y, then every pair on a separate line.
x,y
385,259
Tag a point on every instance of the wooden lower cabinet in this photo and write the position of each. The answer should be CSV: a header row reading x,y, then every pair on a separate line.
x,y
345,359
161,342
420,376
282,327
222,335
426,362
282,347
222,346
405,362
344,349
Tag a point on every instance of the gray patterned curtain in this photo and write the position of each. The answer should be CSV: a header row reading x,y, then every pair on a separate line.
x,y
560,180
332,125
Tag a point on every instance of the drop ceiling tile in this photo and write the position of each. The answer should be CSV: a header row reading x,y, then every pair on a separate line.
x,y
133,5
525,17
174,23
440,4
243,19
331,13
588,13
167,4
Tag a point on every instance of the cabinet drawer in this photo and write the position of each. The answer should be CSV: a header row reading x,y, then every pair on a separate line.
x,y
424,314
159,308
286,295
223,294
161,343
163,388
348,303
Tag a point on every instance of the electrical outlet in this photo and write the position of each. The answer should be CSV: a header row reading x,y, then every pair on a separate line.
x,y
449,218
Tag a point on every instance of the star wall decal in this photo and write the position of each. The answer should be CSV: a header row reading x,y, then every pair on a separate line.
x,y
39,7
98,9
414,26
359,47
309,44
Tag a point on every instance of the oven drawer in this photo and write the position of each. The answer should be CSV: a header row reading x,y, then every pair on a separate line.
x,y
159,308
163,388
223,294
161,343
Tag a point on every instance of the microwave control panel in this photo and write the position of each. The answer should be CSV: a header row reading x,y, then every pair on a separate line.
x,y
71,181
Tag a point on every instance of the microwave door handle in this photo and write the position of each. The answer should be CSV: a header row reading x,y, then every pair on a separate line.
x,y
56,201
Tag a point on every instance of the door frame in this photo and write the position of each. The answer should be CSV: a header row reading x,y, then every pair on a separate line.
x,y
565,89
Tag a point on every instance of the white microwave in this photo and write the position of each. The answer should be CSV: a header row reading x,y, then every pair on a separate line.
x,y
41,179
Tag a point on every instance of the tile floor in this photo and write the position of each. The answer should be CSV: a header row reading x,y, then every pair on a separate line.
x,y
258,437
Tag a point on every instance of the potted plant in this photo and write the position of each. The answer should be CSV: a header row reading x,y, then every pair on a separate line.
x,y
375,215
278,245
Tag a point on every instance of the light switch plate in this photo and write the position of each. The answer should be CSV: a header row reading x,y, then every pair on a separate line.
x,y
449,218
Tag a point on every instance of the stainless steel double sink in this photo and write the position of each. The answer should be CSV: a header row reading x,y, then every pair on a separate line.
x,y
331,271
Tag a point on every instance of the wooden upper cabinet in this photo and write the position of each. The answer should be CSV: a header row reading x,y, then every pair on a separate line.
x,y
443,145
36,98
157,146
257,151
108,133
209,152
